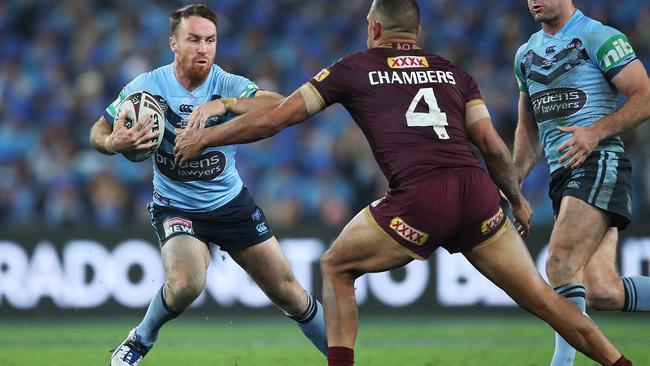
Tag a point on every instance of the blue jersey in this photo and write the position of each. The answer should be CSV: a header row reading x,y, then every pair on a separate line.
x,y
568,77
212,180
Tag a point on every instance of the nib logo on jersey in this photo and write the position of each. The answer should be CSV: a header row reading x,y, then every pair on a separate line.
x,y
557,103
208,167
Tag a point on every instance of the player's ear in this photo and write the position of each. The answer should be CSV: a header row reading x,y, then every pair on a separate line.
x,y
172,43
417,33
376,30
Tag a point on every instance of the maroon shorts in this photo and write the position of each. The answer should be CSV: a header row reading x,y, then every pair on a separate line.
x,y
458,210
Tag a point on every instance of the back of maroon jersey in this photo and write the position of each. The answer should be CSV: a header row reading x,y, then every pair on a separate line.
x,y
410,105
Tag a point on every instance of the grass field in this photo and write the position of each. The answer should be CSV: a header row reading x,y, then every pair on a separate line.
x,y
242,341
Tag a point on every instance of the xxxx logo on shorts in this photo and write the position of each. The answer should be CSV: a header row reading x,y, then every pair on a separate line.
x,y
177,225
407,62
407,232
491,223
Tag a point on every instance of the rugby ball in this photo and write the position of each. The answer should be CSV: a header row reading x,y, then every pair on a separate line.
x,y
138,105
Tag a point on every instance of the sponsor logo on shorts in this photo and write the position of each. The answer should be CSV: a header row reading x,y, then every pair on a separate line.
x,y
492,223
408,232
573,185
257,215
262,228
322,75
177,225
407,62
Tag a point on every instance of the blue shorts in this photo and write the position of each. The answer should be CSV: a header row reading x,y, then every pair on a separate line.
x,y
237,225
602,181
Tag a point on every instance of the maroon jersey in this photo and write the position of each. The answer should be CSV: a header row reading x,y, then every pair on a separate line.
x,y
410,105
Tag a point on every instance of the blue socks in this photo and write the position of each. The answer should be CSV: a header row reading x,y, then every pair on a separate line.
x,y
564,352
312,324
157,314
637,293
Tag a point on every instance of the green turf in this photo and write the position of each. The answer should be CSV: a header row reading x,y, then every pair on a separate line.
x,y
435,340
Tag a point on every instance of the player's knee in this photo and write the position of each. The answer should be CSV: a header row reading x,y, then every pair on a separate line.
x,y
560,270
181,292
329,264
326,263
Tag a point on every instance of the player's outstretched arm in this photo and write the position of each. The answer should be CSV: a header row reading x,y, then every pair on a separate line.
x,y
218,107
255,125
633,82
499,162
527,148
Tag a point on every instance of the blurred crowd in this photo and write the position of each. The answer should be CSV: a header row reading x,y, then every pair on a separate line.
x,y
62,62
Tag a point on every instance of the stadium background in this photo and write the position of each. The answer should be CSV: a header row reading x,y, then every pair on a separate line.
x,y
75,240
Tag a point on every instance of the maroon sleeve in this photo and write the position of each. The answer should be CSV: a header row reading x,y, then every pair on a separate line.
x,y
472,91
332,82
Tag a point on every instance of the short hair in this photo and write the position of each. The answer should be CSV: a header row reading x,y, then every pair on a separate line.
x,y
398,16
199,10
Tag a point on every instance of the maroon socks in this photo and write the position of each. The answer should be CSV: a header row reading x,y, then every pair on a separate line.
x,y
623,362
343,356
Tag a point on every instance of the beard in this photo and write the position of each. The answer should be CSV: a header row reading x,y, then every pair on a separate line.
x,y
198,73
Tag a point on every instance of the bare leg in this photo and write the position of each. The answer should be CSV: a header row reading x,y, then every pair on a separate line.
x,y
359,249
576,235
269,268
602,281
185,260
509,265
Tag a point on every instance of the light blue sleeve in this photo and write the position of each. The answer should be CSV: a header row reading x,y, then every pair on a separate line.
x,y
610,49
521,78
137,84
236,86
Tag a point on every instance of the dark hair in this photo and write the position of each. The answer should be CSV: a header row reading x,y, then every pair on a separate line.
x,y
398,16
199,10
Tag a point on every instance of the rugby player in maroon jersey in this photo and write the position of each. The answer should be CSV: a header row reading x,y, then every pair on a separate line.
x,y
419,114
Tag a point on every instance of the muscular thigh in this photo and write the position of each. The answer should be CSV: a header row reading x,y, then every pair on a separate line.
x,y
185,258
265,263
508,264
364,247
601,269
578,231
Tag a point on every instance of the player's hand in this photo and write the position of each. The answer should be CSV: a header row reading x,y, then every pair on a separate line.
x,y
138,137
187,146
200,114
523,214
582,142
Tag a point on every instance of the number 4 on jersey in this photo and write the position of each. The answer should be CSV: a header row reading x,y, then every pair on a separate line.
x,y
435,117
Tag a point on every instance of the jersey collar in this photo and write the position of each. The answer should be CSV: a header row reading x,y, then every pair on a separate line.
x,y
575,18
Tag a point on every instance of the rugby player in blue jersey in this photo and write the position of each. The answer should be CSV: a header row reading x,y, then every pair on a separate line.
x,y
196,204
569,75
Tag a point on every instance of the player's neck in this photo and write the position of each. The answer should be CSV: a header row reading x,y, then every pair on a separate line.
x,y
553,27
185,80
390,42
